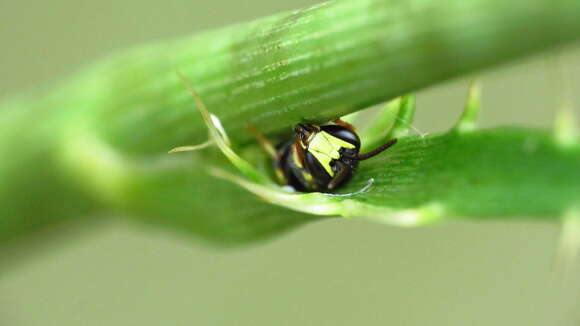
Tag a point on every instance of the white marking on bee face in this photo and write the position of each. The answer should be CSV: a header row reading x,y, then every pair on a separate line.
x,y
310,137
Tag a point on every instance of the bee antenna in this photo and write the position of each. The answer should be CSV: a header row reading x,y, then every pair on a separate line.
x,y
376,151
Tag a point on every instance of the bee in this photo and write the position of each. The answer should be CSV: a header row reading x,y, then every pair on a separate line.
x,y
320,158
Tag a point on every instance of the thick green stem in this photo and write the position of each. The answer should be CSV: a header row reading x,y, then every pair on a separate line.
x,y
35,191
317,64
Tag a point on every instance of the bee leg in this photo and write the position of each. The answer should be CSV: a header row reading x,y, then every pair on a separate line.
x,y
264,142
340,177
344,124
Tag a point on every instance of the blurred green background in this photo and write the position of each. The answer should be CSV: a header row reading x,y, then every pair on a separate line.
x,y
336,272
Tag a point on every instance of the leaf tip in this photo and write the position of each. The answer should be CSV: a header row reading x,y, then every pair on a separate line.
x,y
468,120
191,148
565,129
405,116
569,243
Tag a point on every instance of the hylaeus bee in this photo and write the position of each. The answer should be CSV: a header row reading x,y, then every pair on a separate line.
x,y
320,158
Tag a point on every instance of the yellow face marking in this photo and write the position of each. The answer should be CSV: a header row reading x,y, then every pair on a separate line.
x,y
325,148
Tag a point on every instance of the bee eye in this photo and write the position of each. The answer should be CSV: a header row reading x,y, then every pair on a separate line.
x,y
303,138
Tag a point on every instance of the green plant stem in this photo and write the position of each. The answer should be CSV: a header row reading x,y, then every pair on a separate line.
x,y
95,144
317,64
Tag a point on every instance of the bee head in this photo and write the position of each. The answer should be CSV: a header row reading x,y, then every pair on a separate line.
x,y
305,132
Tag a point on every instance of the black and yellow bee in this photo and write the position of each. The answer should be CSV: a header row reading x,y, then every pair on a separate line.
x,y
321,158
